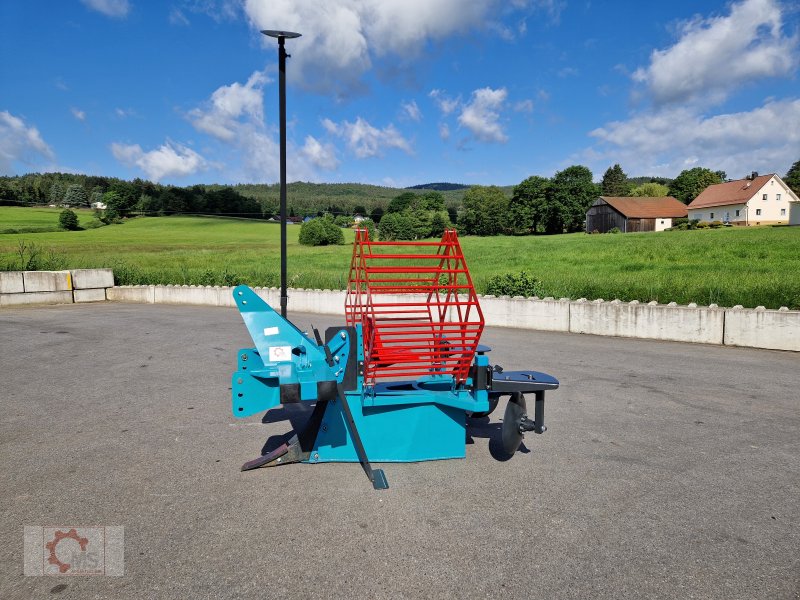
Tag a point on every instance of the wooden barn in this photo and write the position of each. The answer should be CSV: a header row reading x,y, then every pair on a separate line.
x,y
633,214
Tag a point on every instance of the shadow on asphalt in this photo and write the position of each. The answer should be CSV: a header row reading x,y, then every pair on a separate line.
x,y
297,415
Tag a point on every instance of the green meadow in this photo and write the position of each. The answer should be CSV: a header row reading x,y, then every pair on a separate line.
x,y
18,219
752,267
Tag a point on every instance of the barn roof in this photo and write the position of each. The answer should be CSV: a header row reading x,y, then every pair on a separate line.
x,y
732,192
647,208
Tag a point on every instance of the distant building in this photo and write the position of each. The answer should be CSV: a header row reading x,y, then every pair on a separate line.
x,y
99,205
755,200
633,214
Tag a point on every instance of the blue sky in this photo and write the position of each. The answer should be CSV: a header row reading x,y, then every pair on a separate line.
x,y
398,92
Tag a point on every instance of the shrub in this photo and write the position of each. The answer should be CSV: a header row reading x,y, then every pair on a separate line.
x,y
344,221
369,225
321,232
680,221
614,230
397,226
513,284
715,224
701,225
68,220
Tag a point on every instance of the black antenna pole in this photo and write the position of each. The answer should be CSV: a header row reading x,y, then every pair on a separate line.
x,y
282,36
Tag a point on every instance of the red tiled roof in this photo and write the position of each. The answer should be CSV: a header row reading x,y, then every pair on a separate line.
x,y
732,192
648,208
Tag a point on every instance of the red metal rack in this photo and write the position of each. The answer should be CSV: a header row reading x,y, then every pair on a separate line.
x,y
417,307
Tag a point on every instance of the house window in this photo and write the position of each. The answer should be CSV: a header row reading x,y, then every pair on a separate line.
x,y
778,197
758,211
737,212
783,212
764,197
710,215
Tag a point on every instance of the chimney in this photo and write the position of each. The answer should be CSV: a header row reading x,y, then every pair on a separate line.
x,y
753,175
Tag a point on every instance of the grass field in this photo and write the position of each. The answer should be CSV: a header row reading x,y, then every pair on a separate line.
x,y
23,219
753,266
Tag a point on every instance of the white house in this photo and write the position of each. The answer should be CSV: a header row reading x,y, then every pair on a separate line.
x,y
755,200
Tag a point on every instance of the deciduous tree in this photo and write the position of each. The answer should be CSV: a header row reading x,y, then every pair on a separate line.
x,y
650,190
396,226
484,211
569,196
525,209
690,182
401,202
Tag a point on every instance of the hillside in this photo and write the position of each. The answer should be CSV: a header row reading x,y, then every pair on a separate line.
x,y
304,197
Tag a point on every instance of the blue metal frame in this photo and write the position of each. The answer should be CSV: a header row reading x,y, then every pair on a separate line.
x,y
397,422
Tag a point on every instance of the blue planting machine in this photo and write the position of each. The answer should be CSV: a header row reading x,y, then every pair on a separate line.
x,y
398,382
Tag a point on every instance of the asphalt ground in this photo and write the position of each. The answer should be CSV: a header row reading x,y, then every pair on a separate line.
x,y
668,471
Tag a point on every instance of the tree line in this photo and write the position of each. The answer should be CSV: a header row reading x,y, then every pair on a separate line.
x,y
536,205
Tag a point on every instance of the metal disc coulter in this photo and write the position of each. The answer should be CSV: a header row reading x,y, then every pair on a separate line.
x,y
398,382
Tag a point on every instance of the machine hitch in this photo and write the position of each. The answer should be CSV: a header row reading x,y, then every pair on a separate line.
x,y
400,380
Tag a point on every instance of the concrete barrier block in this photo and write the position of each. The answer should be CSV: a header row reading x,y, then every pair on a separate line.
x,y
773,329
657,322
271,296
11,282
83,279
185,294
132,293
61,297
323,302
94,295
526,313
47,281
226,296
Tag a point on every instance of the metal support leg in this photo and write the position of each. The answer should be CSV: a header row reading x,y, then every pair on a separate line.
x,y
538,413
377,476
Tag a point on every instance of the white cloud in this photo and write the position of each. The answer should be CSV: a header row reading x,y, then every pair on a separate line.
x,y
717,55
320,155
234,115
111,8
20,143
176,17
524,106
553,8
446,104
168,160
344,38
229,104
366,141
78,113
667,140
124,113
219,10
444,131
411,110
481,115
